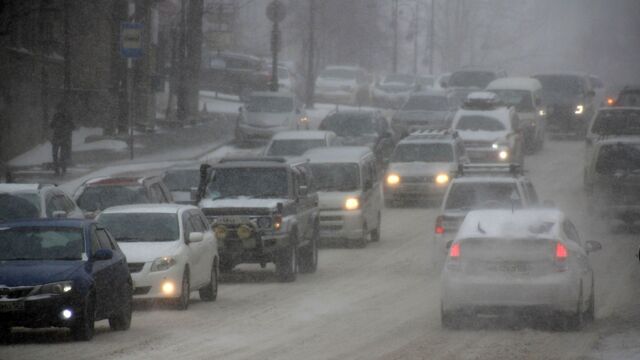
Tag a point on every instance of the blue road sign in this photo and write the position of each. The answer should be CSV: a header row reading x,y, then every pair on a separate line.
x,y
131,40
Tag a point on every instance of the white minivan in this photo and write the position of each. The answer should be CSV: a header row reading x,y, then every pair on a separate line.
x,y
349,193
171,250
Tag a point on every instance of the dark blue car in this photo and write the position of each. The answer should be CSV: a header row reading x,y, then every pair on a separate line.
x,y
62,272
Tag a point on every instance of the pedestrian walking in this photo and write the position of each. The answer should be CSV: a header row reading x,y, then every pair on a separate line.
x,y
62,126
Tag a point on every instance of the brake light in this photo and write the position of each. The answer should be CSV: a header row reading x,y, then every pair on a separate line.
x,y
439,227
611,101
561,251
454,251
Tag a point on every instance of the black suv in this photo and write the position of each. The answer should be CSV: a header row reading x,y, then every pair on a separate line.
x,y
262,210
235,74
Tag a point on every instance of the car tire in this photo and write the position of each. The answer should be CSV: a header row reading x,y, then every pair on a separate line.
x,y
182,302
572,321
448,320
308,258
287,263
122,320
210,292
83,328
375,233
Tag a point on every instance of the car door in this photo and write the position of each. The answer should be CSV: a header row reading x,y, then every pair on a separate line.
x,y
581,259
195,250
375,198
209,244
104,274
304,204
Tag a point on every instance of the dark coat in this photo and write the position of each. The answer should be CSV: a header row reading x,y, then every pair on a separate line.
x,y
62,126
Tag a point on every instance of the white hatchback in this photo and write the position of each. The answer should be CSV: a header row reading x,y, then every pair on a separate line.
x,y
170,248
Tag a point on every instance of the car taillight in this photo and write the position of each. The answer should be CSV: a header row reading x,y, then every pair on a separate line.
x,y
277,221
439,228
561,256
454,251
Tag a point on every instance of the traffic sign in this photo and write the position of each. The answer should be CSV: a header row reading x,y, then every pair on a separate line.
x,y
131,40
276,11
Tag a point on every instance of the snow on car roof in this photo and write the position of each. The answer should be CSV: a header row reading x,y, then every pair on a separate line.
x,y
148,208
482,95
337,154
9,188
301,134
106,180
515,83
505,223
501,113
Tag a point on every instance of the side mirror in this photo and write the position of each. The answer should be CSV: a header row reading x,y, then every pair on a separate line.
x,y
59,214
303,190
195,237
592,246
102,254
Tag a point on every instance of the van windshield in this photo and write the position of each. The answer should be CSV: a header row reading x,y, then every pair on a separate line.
x,y
336,177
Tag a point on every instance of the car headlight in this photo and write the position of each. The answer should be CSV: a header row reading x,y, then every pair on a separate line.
x,y
351,203
542,112
163,263
494,146
503,155
579,109
220,231
393,179
244,231
304,119
57,288
442,179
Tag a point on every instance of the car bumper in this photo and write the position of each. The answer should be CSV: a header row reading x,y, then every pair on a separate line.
x,y
463,292
43,312
404,192
257,248
148,285
341,224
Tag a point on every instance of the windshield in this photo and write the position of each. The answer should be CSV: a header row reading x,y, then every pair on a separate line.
x,y
349,124
336,177
342,74
467,196
555,87
182,180
478,79
268,104
521,99
41,243
479,122
249,182
427,103
19,206
293,147
96,198
423,153
617,122
142,227
618,158
399,78
629,98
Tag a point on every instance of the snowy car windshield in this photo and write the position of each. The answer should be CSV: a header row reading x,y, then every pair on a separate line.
x,y
349,124
617,122
479,122
423,153
95,198
293,147
521,99
270,104
618,158
560,87
141,227
249,182
427,103
467,196
182,180
336,177
41,243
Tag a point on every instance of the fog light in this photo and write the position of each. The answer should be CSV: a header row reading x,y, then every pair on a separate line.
x,y
66,314
220,231
168,288
503,155
244,232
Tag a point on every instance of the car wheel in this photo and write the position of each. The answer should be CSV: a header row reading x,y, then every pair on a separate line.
x,y
572,321
122,320
375,233
83,327
210,292
363,240
308,258
448,320
182,303
287,263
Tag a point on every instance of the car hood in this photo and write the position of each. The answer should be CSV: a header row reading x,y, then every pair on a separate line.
x,y
264,119
334,199
148,251
241,202
417,115
31,272
481,135
420,168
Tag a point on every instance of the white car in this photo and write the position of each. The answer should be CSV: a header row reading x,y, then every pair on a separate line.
x,y
40,200
490,130
349,85
170,249
394,90
295,143
267,113
505,261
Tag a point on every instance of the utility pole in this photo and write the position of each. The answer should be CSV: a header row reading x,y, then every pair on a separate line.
x,y
416,17
394,24
310,83
432,32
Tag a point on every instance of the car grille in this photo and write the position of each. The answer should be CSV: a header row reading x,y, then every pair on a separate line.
x,y
330,227
15,292
141,290
417,179
477,144
135,267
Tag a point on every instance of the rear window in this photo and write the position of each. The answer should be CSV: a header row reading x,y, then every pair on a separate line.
x,y
95,198
618,159
617,122
479,122
468,196
629,98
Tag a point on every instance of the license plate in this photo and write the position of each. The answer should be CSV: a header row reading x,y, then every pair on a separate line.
x,y
512,267
11,306
230,220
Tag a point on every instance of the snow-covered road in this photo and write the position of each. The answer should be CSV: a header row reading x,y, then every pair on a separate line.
x,y
378,302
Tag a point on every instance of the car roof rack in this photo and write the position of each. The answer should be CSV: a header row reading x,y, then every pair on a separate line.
x,y
253,159
433,134
490,169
